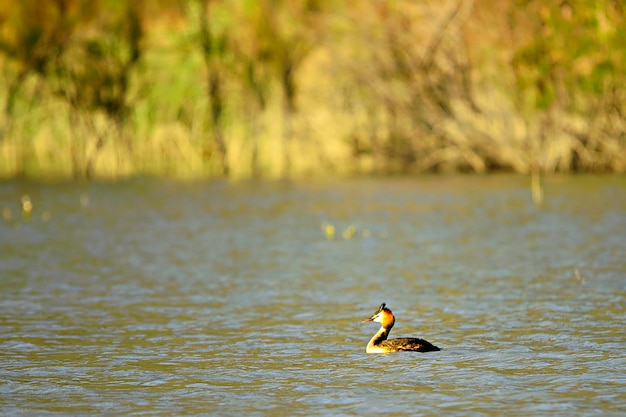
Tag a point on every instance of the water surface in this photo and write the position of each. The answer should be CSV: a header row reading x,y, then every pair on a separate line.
x,y
174,298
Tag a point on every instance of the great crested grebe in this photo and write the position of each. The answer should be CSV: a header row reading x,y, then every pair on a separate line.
x,y
380,344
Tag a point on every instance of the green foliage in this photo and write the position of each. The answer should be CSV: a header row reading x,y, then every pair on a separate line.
x,y
577,47
264,87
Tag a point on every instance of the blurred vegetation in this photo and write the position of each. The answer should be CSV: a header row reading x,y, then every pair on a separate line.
x,y
248,88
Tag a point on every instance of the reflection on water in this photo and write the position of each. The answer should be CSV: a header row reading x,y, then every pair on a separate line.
x,y
236,298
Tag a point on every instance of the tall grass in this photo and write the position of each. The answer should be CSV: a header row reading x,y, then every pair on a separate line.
x,y
299,88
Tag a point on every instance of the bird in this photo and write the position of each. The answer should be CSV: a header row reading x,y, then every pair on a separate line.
x,y
379,342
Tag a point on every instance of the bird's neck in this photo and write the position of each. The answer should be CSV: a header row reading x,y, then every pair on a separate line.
x,y
380,336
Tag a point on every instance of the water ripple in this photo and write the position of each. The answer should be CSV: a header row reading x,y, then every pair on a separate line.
x,y
228,299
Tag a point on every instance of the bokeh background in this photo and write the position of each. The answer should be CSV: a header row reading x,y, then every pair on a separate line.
x,y
262,88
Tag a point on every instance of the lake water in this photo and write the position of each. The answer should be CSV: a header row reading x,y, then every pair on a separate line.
x,y
170,298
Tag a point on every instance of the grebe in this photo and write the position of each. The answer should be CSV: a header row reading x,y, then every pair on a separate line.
x,y
380,344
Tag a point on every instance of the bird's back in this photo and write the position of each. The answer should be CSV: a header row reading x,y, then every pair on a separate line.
x,y
411,344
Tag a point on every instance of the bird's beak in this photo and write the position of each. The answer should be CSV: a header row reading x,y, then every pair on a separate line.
x,y
368,319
